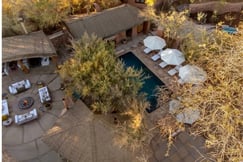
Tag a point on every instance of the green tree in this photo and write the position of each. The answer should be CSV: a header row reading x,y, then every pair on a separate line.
x,y
99,76
45,13
104,4
10,12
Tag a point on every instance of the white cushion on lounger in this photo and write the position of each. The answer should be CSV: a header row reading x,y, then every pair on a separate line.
x,y
172,72
163,64
147,50
155,57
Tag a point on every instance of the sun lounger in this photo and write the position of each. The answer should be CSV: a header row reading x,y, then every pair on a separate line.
x,y
147,50
155,57
163,64
172,72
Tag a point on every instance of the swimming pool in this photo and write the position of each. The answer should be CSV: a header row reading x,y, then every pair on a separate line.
x,y
150,84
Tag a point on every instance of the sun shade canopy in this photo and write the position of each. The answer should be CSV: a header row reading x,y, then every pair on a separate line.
x,y
172,56
192,74
154,42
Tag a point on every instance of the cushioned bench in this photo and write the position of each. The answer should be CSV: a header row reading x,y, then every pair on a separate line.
x,y
19,86
24,118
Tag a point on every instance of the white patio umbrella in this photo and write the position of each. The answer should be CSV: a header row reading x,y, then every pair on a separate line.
x,y
188,116
172,56
154,42
192,74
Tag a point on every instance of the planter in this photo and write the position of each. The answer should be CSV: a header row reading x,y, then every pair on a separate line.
x,y
48,106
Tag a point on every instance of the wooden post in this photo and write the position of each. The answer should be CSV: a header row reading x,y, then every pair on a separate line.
x,y
54,60
146,27
23,67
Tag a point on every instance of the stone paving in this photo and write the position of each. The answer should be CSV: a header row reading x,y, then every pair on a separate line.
x,y
23,142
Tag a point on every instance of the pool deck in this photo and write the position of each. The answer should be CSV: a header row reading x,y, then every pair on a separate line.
x,y
136,46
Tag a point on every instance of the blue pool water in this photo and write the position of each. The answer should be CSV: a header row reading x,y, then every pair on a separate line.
x,y
150,84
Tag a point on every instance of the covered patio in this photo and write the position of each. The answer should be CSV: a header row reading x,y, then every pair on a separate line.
x,y
20,48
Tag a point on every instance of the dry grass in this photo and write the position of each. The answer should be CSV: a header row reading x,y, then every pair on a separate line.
x,y
168,128
219,99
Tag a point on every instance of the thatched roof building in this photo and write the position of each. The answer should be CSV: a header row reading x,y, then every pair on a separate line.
x,y
30,45
217,7
106,23
78,136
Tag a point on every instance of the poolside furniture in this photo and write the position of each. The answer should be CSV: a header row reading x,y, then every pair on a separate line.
x,y
44,95
163,64
155,57
5,111
19,86
147,50
192,74
172,56
172,72
24,118
154,42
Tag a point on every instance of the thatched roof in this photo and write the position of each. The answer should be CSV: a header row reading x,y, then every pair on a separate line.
x,y
218,7
106,23
31,45
78,136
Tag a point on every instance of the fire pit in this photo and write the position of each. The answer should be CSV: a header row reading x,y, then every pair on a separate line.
x,y
26,102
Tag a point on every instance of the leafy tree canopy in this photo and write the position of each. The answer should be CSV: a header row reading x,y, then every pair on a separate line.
x,y
99,76
43,14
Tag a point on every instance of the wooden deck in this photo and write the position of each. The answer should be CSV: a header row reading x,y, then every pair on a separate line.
x,y
135,46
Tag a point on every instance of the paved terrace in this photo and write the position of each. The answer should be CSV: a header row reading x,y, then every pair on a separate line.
x,y
23,142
